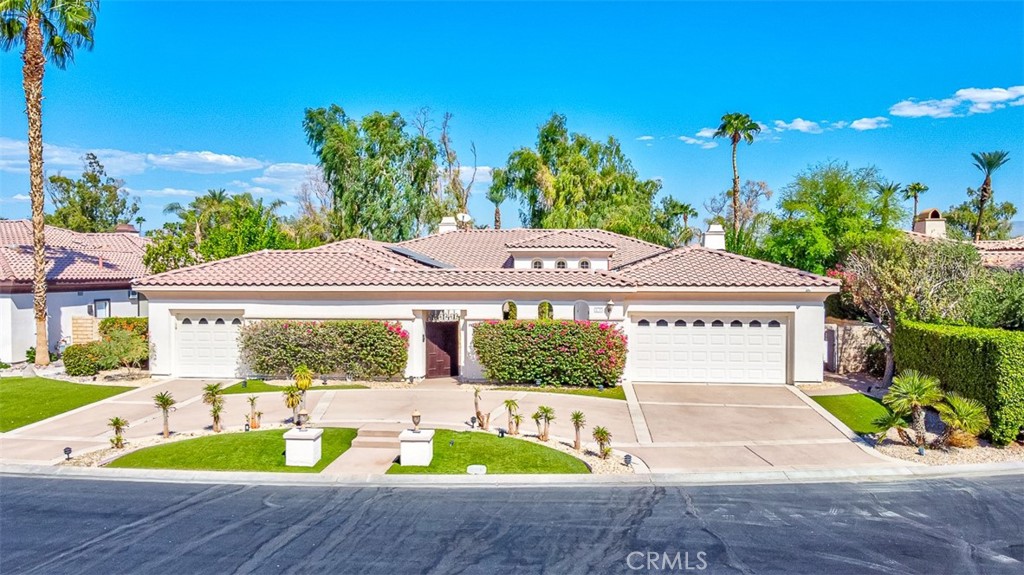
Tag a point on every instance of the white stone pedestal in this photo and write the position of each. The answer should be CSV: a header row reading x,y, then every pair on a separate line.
x,y
416,447
302,446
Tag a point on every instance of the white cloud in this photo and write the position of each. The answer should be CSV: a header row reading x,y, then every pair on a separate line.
x,y
484,174
838,125
706,133
870,123
704,144
20,197
203,162
964,102
163,192
645,138
799,125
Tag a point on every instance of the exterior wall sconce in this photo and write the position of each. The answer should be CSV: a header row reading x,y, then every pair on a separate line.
x,y
608,308
416,417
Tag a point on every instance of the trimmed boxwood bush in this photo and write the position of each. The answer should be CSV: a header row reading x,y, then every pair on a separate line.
x,y
983,364
554,352
81,360
361,349
138,325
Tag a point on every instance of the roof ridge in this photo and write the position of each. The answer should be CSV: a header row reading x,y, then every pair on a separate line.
x,y
770,265
193,267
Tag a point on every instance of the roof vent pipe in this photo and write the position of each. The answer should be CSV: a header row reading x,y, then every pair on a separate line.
x,y
448,224
714,238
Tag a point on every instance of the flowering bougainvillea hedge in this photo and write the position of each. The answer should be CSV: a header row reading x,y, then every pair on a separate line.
x,y
554,352
354,348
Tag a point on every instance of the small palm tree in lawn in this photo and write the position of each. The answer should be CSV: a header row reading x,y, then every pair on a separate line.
x,y
213,395
512,407
987,162
578,421
118,424
737,127
253,423
50,31
164,402
303,377
517,419
482,419
547,415
292,400
911,392
913,192
962,415
216,412
893,420
603,437
537,418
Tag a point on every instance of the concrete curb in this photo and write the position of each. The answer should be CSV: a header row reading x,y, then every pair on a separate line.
x,y
446,481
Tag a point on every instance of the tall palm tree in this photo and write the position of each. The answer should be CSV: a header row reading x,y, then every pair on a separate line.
x,y
164,401
687,211
961,414
203,211
987,162
914,191
498,193
50,30
737,127
578,421
911,392
886,204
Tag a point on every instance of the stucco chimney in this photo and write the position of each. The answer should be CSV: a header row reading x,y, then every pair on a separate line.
x,y
125,229
930,223
714,238
448,224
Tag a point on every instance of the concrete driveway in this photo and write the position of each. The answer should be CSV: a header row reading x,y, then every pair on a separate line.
x,y
729,427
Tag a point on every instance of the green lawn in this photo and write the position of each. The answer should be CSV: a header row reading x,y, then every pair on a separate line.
x,y
260,386
242,451
25,400
500,455
856,410
608,392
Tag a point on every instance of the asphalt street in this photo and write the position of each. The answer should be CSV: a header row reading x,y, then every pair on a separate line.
x,y
53,526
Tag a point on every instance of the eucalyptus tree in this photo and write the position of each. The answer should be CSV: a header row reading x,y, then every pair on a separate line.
x,y
737,127
987,162
50,31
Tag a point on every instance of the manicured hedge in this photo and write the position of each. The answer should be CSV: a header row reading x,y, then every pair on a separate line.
x,y
81,360
984,364
139,325
358,349
554,352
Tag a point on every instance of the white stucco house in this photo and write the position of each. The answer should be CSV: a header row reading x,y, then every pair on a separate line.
x,y
692,314
88,274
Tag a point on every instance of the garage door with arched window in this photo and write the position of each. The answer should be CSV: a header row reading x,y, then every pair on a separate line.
x,y
709,348
207,345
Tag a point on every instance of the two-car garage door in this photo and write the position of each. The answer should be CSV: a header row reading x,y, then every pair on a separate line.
x,y
709,349
207,345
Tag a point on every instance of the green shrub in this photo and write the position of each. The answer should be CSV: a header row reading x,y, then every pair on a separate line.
x,y
4,365
554,352
136,325
982,364
30,355
121,349
81,360
361,349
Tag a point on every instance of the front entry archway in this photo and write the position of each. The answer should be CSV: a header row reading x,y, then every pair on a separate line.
x,y
442,349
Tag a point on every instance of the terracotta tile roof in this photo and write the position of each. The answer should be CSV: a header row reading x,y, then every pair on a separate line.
x,y
489,248
561,239
72,256
700,267
1006,254
349,267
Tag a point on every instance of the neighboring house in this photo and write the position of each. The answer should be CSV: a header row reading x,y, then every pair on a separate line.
x,y
88,274
691,314
1005,254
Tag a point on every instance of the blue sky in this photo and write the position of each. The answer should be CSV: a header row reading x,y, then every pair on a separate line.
x,y
178,97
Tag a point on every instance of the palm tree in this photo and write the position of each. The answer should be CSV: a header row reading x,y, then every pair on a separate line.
x,y
292,400
303,377
987,162
687,211
961,415
50,30
911,392
547,415
578,421
118,425
893,420
737,127
482,419
202,210
537,417
511,406
914,191
498,193
215,412
213,395
517,419
252,412
164,402
603,437
886,204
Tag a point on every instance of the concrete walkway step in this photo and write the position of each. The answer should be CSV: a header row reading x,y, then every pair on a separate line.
x,y
360,460
376,442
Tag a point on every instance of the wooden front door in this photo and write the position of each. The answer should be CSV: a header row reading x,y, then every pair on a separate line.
x,y
442,349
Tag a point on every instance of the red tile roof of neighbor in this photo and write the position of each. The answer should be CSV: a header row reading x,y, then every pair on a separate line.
x,y
72,257
483,256
1007,254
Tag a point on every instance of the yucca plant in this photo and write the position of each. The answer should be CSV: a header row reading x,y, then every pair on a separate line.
x,y
603,437
303,377
578,421
912,391
292,400
961,415
117,424
512,407
893,420
164,401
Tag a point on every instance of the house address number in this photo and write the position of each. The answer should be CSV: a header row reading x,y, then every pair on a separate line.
x,y
443,315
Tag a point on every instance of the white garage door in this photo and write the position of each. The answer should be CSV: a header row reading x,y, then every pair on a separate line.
x,y
207,345
709,349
